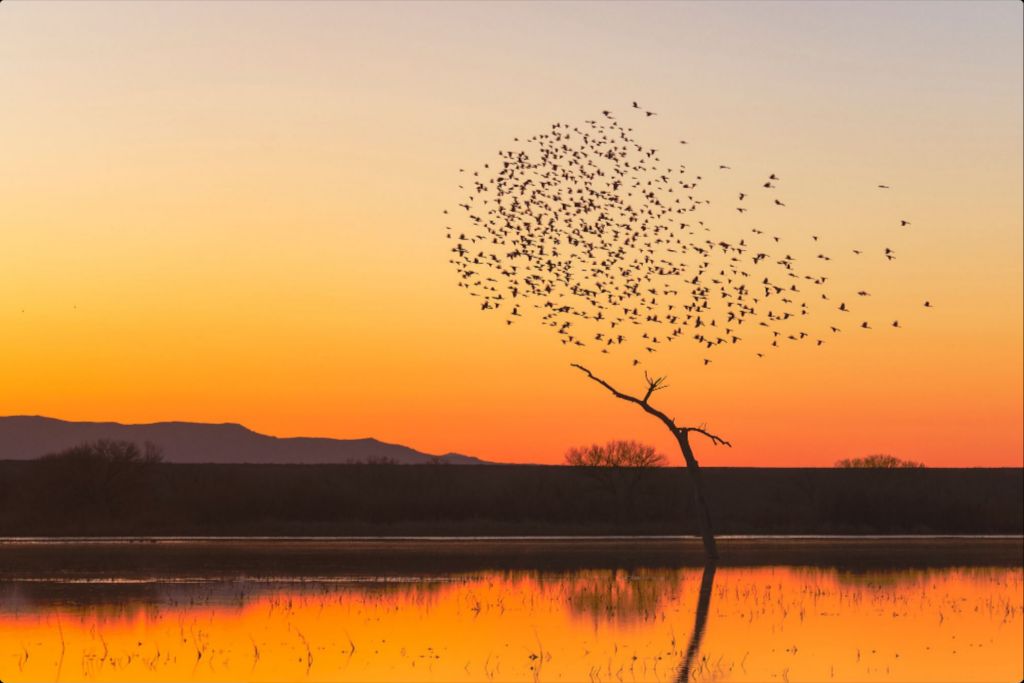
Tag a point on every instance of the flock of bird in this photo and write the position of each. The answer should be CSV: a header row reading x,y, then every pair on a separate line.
x,y
588,227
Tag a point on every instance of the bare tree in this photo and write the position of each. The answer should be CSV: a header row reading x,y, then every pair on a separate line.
x,y
588,230
682,436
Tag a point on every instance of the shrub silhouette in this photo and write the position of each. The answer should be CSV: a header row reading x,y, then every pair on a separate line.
x,y
880,460
619,467
100,478
615,454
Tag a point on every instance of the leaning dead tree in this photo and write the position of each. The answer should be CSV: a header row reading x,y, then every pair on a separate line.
x,y
682,437
590,233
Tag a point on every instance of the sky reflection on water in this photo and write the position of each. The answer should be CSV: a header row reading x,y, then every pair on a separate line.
x,y
762,624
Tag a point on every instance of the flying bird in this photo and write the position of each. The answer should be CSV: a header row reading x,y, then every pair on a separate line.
x,y
591,233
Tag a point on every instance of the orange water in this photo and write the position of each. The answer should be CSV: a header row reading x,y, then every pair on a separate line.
x,y
764,624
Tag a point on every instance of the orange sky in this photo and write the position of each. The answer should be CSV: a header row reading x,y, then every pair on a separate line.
x,y
232,212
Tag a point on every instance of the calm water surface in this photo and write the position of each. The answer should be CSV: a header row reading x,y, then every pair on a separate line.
x,y
767,623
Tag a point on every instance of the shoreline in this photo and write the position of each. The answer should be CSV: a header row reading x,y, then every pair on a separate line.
x,y
537,538
235,558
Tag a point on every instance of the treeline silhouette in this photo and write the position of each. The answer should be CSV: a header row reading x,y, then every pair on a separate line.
x,y
140,495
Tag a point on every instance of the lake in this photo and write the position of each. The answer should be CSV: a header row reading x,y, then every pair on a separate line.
x,y
545,610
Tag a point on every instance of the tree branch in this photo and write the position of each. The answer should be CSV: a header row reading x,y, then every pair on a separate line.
x,y
609,387
714,439
653,384
633,399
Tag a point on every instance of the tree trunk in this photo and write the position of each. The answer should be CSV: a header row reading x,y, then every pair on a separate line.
x,y
700,503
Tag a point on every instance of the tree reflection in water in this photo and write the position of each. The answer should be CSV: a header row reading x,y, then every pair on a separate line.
x,y
771,622
700,622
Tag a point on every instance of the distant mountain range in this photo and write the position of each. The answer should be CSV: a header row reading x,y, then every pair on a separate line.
x,y
24,437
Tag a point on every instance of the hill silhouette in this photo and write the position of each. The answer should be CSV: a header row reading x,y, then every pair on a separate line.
x,y
25,437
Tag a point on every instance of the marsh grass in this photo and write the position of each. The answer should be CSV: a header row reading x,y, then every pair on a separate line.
x,y
767,623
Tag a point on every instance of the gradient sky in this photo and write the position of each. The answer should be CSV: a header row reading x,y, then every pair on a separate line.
x,y
231,212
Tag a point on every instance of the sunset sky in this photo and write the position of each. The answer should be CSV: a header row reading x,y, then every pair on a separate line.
x,y
232,212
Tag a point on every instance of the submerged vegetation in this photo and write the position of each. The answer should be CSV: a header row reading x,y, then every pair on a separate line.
x,y
764,624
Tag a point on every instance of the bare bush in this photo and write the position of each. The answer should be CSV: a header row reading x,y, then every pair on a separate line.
x,y
116,453
877,461
618,467
104,478
615,454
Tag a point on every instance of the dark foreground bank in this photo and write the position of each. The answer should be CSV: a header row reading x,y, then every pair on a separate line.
x,y
191,559
41,499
